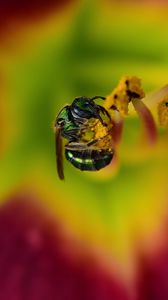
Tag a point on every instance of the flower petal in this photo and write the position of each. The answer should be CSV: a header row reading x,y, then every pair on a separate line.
x,y
153,279
36,261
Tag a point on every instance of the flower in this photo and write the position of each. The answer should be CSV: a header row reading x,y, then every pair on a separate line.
x,y
101,236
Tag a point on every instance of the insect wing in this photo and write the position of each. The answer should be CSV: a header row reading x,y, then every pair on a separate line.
x,y
59,152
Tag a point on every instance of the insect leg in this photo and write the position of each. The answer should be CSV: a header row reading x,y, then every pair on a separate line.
x,y
76,146
104,111
96,140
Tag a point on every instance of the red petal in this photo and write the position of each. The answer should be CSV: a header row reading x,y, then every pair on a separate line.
x,y
12,11
35,263
153,280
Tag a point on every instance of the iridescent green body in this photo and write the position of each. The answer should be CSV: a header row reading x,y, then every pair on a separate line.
x,y
90,159
77,123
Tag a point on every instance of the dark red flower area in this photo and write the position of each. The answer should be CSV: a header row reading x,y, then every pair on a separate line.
x,y
34,264
12,11
153,281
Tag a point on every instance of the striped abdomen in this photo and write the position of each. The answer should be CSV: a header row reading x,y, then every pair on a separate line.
x,y
89,159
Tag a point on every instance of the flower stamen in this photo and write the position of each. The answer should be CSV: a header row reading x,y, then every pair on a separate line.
x,y
129,90
147,120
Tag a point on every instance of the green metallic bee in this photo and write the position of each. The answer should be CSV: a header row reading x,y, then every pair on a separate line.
x,y
73,123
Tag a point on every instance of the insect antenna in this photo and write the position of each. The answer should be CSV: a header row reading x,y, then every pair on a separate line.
x,y
98,97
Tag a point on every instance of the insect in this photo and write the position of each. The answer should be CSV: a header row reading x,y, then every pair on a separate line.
x,y
73,123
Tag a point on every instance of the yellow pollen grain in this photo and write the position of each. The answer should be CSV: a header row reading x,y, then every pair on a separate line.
x,y
100,130
103,133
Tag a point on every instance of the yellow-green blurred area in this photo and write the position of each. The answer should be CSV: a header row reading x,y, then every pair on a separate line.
x,y
85,50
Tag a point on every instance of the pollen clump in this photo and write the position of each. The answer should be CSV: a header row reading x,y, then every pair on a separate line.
x,y
163,112
103,133
129,87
